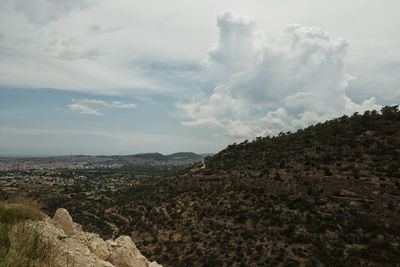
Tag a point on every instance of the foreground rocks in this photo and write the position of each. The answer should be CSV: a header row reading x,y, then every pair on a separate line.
x,y
73,247
63,220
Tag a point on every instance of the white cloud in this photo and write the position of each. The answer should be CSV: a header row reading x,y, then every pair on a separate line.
x,y
285,83
42,11
239,42
93,106
97,46
119,104
88,106
47,44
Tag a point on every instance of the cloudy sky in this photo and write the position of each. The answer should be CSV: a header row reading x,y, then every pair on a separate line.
x,y
124,77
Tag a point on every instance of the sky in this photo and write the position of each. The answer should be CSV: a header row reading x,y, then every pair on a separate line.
x,y
124,76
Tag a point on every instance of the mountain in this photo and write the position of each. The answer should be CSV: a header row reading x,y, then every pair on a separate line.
x,y
207,154
325,195
328,194
152,156
185,155
161,157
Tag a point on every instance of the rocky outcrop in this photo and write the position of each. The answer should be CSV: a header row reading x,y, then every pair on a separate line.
x,y
125,254
63,220
77,248
100,248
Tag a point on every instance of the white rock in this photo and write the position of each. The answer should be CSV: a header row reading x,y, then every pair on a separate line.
x,y
100,248
111,243
88,249
77,227
63,220
125,254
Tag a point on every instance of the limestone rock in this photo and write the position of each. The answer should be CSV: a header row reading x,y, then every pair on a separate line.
x,y
70,250
78,248
125,254
111,243
100,248
77,227
63,220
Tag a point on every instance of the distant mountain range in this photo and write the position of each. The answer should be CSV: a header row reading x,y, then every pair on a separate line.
x,y
153,155
161,157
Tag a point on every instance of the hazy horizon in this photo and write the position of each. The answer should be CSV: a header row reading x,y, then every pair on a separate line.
x,y
90,155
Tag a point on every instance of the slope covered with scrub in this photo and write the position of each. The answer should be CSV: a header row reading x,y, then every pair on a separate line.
x,y
327,194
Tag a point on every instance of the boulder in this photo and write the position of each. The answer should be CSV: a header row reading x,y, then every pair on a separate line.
x,y
88,249
63,220
77,227
125,254
100,248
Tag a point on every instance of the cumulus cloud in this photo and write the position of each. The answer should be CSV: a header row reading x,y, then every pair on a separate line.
x,y
93,106
280,84
239,42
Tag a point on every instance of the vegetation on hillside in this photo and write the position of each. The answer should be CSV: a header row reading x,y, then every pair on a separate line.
x,y
328,194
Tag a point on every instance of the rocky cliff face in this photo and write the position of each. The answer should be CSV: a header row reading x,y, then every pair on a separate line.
x,y
77,248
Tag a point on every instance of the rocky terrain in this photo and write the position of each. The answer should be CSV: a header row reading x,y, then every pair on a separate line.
x,y
73,247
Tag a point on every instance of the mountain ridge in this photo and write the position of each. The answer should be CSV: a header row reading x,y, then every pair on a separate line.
x,y
285,199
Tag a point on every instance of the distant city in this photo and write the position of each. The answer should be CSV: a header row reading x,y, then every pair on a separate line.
x,y
181,159
107,171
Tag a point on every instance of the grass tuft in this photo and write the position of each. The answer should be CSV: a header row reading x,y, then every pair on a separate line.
x,y
15,212
21,243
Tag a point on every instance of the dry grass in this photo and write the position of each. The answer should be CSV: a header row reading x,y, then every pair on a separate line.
x,y
12,213
21,243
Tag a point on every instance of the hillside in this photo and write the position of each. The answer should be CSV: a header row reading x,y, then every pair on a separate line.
x,y
328,194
